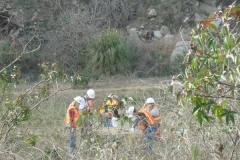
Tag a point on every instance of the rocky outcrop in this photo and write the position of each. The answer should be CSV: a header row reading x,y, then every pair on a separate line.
x,y
181,48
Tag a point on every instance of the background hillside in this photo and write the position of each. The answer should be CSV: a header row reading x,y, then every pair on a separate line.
x,y
63,30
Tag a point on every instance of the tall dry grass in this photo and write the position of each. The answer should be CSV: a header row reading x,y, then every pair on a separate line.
x,y
182,137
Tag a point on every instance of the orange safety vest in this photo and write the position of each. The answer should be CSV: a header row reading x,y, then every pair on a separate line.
x,y
156,118
76,116
151,121
150,118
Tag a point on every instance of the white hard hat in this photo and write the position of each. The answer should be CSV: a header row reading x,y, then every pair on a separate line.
x,y
91,93
81,101
130,111
150,100
154,112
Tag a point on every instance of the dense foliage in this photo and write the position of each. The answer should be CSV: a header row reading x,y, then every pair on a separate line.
x,y
213,67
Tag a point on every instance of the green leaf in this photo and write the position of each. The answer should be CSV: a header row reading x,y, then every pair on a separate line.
x,y
206,106
205,116
200,119
214,61
213,26
210,43
229,115
196,109
232,118
218,110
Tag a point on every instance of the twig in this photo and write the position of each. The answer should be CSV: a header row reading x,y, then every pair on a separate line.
x,y
152,68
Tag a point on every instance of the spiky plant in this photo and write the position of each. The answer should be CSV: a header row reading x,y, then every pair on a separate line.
x,y
109,54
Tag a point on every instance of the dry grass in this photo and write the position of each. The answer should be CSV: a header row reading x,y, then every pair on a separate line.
x,y
182,137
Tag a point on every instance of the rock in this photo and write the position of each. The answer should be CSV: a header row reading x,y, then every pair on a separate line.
x,y
133,38
165,30
207,8
199,17
152,19
152,13
181,48
132,30
157,34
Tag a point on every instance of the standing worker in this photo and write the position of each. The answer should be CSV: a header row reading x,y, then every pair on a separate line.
x,y
151,124
89,100
87,112
72,119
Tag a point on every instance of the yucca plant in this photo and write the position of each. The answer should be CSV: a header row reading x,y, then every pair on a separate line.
x,y
109,54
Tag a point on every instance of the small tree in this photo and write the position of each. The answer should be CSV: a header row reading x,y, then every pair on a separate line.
x,y
212,76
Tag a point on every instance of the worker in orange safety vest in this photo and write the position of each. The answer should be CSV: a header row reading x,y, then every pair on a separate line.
x,y
150,124
72,119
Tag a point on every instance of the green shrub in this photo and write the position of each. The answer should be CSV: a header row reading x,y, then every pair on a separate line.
x,y
109,54
212,73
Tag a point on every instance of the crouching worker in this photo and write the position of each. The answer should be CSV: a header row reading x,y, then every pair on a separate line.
x,y
109,110
148,120
72,120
